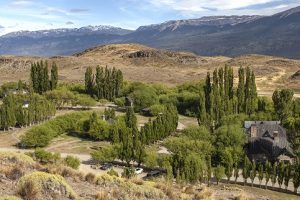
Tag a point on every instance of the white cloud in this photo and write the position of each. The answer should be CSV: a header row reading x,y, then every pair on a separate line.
x,y
22,2
202,5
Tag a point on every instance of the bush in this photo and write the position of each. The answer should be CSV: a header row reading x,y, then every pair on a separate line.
x,y
29,191
113,173
143,95
39,185
156,109
90,177
41,136
120,101
102,195
128,172
46,157
73,162
37,137
15,173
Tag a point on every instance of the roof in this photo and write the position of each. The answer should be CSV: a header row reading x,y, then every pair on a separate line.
x,y
270,139
247,124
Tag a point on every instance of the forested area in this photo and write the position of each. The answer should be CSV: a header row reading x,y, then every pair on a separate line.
x,y
24,110
214,148
39,76
105,84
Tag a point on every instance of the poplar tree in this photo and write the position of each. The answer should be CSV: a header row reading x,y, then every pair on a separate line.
x,y
45,78
89,81
241,90
246,169
268,170
207,91
296,176
236,172
253,172
274,174
287,175
99,82
54,76
260,173
209,170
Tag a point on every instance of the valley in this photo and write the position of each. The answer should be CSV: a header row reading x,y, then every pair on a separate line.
x,y
204,107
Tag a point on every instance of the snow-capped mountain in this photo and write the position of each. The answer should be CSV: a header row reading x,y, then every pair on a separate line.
x,y
69,32
276,35
204,21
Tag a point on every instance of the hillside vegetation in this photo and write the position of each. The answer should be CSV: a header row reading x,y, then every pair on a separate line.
x,y
141,63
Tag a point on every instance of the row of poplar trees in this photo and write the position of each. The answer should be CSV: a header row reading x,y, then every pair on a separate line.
x,y
279,172
39,75
105,84
220,98
131,142
192,169
14,113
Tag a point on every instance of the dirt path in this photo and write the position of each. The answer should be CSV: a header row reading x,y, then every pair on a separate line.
x,y
61,144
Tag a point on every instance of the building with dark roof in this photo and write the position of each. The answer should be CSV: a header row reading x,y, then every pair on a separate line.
x,y
268,141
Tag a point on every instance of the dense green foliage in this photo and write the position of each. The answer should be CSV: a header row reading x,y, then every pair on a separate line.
x,y
105,84
24,110
39,77
220,98
72,162
43,156
41,135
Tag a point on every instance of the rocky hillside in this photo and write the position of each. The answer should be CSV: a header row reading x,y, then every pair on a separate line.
x,y
23,178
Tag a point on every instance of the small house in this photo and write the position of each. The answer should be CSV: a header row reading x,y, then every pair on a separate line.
x,y
268,141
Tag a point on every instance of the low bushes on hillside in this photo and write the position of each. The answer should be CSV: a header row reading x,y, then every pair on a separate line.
x,y
40,184
72,162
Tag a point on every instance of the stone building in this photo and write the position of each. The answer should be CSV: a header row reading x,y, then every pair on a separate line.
x,y
268,141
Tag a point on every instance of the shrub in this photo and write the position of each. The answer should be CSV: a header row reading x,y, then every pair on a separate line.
x,y
102,196
144,95
137,181
90,177
16,159
37,137
113,173
34,184
73,162
156,109
120,101
128,172
41,136
44,156
15,173
9,198
205,194
28,190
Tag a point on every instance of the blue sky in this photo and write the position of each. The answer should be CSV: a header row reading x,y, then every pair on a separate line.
x,y
18,15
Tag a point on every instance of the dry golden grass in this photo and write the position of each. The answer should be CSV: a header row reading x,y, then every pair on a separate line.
x,y
29,191
205,194
137,181
90,177
103,195
162,66
241,196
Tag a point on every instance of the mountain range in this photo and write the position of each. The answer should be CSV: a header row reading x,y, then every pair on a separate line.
x,y
276,35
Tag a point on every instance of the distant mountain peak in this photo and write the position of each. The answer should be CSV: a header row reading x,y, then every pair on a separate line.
x,y
203,21
289,12
101,29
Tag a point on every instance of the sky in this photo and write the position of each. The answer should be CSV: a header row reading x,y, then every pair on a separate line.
x,y
16,15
